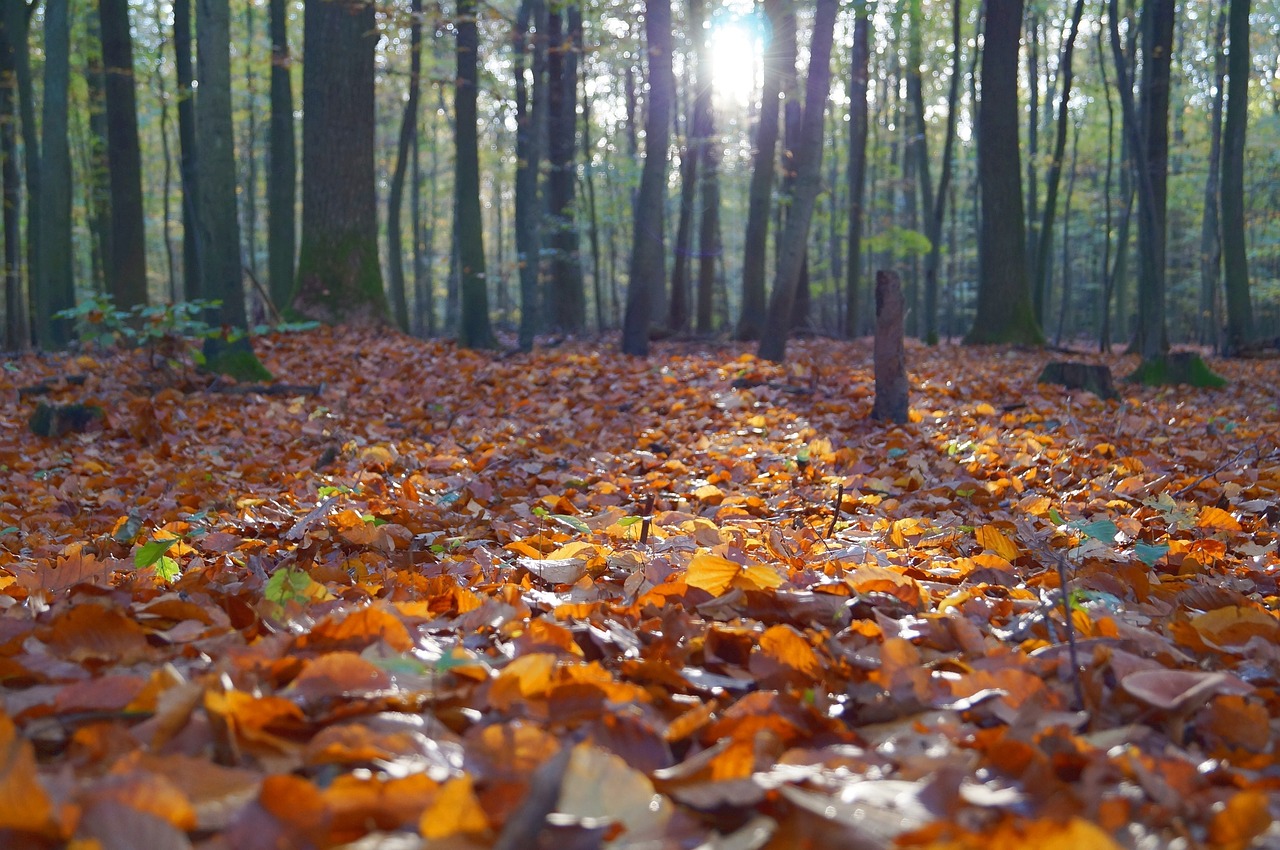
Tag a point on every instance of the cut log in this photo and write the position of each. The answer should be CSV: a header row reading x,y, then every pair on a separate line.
x,y
1075,375
891,403
58,420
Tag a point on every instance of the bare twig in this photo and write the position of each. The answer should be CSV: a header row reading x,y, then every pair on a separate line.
x,y
835,516
1040,546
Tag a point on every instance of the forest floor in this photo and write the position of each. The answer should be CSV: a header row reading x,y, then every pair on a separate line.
x,y
572,599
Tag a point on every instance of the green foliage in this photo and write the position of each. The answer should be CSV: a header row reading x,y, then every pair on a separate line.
x,y
169,332
900,241
1177,369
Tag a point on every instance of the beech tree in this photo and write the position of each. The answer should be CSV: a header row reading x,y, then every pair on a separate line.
x,y
339,279
1234,256
55,290
474,330
282,181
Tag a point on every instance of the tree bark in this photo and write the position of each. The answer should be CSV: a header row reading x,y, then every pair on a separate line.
x,y
127,274
395,195
221,275
647,252
857,166
567,304
282,178
18,15
1235,260
188,157
892,403
56,289
474,330
704,128
339,279
15,305
1210,226
1005,313
808,165
530,130
760,194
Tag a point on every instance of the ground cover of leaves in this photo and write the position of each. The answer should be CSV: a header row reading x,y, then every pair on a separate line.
x,y
572,599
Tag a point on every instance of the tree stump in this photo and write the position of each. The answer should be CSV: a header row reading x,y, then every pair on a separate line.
x,y
890,359
58,420
1075,375
1177,367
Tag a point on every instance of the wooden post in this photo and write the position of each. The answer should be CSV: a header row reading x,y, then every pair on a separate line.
x,y
890,360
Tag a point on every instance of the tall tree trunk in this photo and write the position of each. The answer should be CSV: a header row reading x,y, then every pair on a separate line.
x,y
760,194
339,279
424,301
857,175
1235,260
15,305
1210,227
395,196
55,290
166,188
1033,149
1044,242
282,178
567,307
97,181
808,165
530,124
704,128
1066,237
221,274
647,253
127,275
1005,313
678,306
474,330
589,189
250,191
188,156
18,15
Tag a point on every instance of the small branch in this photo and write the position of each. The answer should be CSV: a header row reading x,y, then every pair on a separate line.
x,y
267,389
836,515
1041,547
1274,454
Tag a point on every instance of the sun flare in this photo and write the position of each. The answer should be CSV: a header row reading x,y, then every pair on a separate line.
x,y
735,60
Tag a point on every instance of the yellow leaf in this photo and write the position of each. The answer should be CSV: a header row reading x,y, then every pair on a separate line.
x,y
787,646
984,409
527,676
1244,818
758,577
712,573
992,538
454,810
1216,519
23,803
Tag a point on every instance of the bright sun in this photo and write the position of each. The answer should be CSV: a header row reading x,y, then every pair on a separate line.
x,y
735,60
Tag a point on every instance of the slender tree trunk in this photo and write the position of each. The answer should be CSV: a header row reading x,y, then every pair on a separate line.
x,y
857,172
529,113
567,308
56,289
425,291
704,128
808,164
18,26
760,194
678,306
182,49
282,178
15,305
1235,259
589,189
646,276
250,192
1210,228
128,273
1005,312
1033,150
1066,236
221,272
395,196
339,279
1104,324
97,181
166,188
474,330
1044,242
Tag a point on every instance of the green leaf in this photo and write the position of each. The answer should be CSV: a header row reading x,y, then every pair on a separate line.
x,y
151,552
1149,553
1102,529
628,521
286,585
167,568
1055,517
896,452
572,522
13,529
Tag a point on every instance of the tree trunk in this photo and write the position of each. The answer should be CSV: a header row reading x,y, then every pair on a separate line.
x,y
567,304
1066,238
395,195
97,188
760,194
339,279
56,290
892,403
857,166
1235,260
249,192
1005,313
808,165
221,275
530,124
282,178
188,158
647,252
474,330
589,186
15,305
166,188
678,306
17,14
127,275
1044,242
1210,227
709,251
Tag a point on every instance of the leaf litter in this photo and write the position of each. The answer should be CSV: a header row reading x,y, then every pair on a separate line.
x,y
697,600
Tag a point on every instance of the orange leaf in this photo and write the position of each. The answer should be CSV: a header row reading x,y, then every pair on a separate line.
x,y
1216,519
995,540
454,810
711,573
1234,625
1245,816
787,646
24,806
